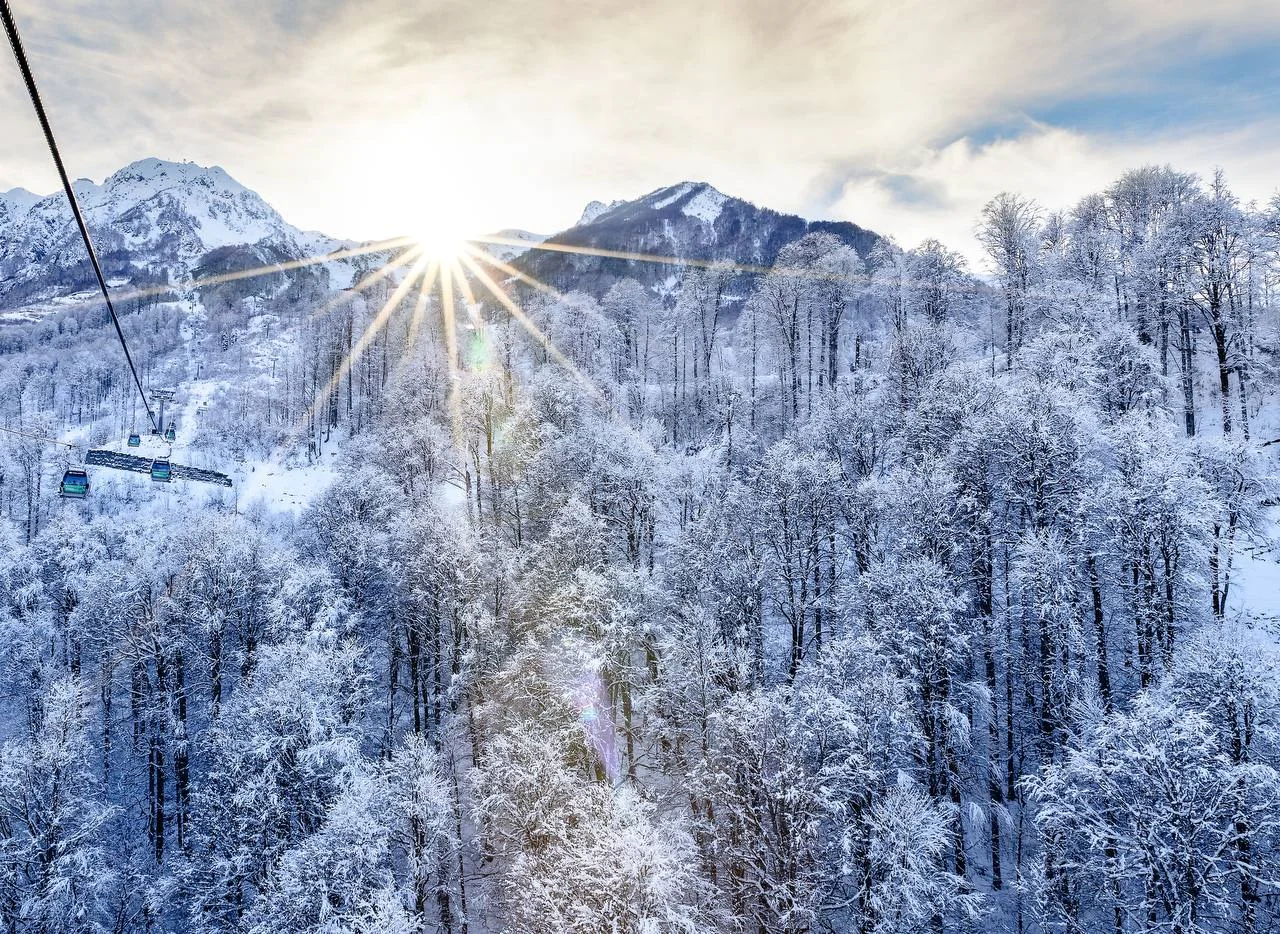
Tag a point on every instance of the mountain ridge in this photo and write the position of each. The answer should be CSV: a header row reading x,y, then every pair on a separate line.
x,y
155,221
688,220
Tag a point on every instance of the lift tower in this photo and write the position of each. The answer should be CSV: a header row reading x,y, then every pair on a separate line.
x,y
161,396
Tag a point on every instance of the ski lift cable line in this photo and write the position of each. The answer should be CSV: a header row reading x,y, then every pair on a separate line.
x,y
15,41
31,437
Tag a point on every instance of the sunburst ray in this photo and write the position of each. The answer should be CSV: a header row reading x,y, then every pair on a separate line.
x,y
487,257
449,320
533,330
370,332
420,306
221,278
461,279
377,323
372,278
627,255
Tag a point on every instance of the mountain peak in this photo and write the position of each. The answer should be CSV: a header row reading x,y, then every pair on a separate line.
x,y
679,190
155,175
151,215
15,204
698,200
509,251
594,210
19,199
692,220
15,195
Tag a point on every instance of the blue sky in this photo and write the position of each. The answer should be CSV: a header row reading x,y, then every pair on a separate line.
x,y
1199,89
363,118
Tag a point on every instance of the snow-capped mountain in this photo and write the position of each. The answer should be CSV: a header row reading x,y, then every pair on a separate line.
x,y
14,205
691,220
151,221
158,222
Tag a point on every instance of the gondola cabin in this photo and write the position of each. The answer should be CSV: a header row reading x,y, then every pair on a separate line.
x,y
171,433
135,440
160,471
75,484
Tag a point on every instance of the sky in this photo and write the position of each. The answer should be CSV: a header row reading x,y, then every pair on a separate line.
x,y
372,118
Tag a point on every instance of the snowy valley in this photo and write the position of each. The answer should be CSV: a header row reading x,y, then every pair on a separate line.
x,y
737,574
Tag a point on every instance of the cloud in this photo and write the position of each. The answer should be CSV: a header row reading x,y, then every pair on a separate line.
x,y
355,117
1054,166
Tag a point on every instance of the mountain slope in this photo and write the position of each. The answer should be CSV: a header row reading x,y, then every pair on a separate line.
x,y
151,221
691,220
158,222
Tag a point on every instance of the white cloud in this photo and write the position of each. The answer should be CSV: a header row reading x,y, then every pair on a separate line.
x,y
1054,166
356,117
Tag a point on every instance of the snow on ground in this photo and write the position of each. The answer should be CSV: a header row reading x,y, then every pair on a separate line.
x,y
706,205
1254,597
188,407
342,271
280,488
673,195
268,345
268,483
38,307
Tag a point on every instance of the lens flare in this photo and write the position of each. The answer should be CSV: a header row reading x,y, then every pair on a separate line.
x,y
595,715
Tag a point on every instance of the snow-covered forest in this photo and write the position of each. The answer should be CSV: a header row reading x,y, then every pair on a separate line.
x,y
872,594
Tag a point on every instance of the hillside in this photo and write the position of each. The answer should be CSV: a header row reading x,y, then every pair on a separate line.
x,y
152,221
844,597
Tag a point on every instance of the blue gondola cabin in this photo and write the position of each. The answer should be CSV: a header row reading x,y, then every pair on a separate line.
x,y
75,484
160,471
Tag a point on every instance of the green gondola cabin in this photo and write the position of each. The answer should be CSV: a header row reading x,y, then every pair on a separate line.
x,y
75,484
135,440
160,471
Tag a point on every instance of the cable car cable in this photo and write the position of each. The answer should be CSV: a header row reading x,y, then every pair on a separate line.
x,y
75,480
11,27
23,434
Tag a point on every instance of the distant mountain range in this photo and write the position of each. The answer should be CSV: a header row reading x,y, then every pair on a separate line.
x,y
691,220
157,222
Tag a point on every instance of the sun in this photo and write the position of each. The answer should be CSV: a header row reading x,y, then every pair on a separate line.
x,y
440,231
440,242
